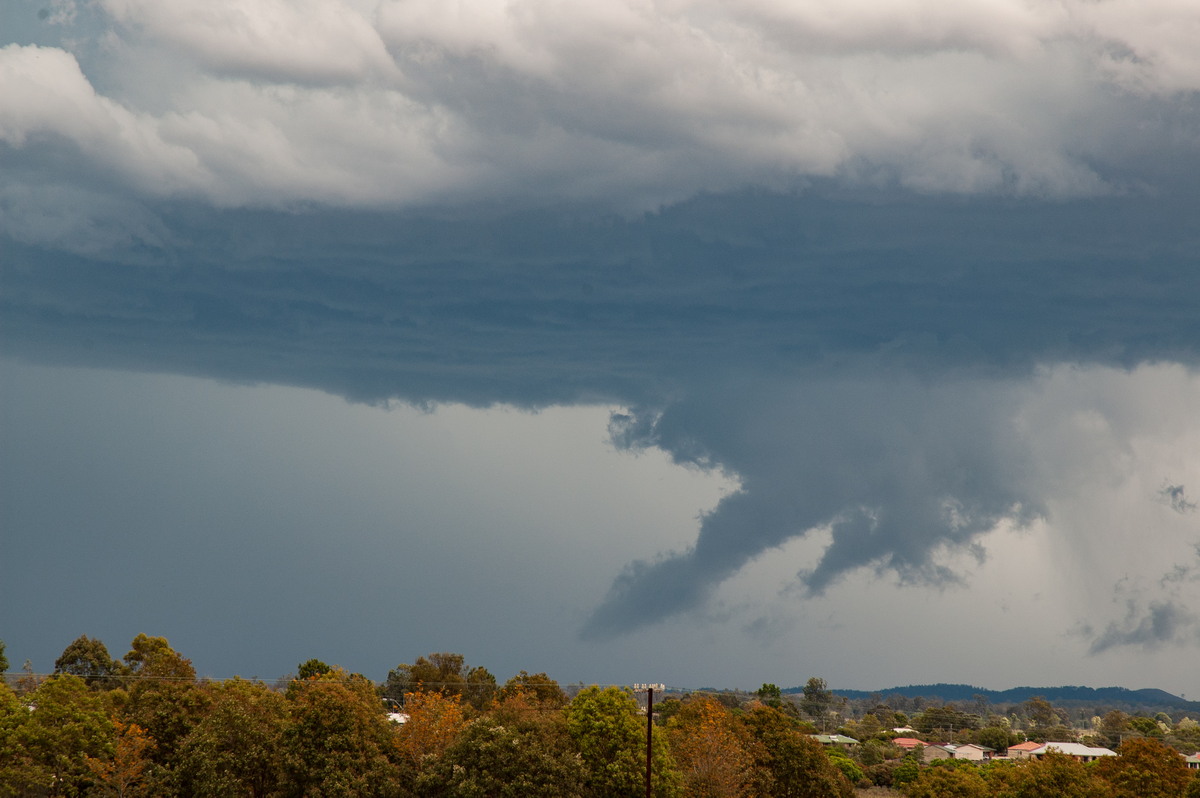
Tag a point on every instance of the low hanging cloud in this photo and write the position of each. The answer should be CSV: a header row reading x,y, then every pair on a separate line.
x,y
1148,627
897,471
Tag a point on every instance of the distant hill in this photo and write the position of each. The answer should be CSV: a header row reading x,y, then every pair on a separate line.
x,y
965,693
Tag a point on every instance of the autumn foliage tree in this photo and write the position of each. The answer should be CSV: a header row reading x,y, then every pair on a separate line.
x,y
1146,768
713,750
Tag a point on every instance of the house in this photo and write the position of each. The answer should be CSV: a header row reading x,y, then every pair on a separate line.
x,y
1193,761
908,743
1021,750
933,752
839,740
969,751
1077,751
973,752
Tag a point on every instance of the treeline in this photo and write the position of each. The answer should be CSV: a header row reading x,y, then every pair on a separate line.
x,y
144,725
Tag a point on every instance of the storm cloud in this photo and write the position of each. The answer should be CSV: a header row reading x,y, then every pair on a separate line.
x,y
867,262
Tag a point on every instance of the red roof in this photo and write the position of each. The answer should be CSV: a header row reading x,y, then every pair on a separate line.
x,y
909,742
1025,746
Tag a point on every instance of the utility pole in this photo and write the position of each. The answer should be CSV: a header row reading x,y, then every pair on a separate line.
x,y
649,688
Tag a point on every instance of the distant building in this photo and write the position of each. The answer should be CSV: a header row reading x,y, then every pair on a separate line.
x,y
973,752
1193,761
908,743
1022,750
839,740
1077,751
933,752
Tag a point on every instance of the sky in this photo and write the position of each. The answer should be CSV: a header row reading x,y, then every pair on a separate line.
x,y
642,341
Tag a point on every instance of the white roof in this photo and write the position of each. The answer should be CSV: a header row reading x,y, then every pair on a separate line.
x,y
1073,749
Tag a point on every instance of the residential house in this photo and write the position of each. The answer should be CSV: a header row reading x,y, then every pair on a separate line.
x,y
1022,750
1077,751
973,752
908,743
836,740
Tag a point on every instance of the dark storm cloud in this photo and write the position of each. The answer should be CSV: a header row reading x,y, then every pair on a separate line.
x,y
952,195
843,356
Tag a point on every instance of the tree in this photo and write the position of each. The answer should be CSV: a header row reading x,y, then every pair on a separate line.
x,y
1146,768
164,700
90,660
817,699
124,775
3,659
998,738
947,782
434,722
311,669
46,747
611,740
712,749
442,672
945,719
509,754
235,749
1054,775
537,686
771,695
790,763
1041,712
868,727
1147,726
337,741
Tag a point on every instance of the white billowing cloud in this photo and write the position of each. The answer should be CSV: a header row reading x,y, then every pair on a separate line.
x,y
411,101
47,99
299,40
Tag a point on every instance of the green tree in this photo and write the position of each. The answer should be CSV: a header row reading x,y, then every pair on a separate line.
x,y
1146,726
235,748
509,754
337,742
537,686
998,738
311,669
611,739
817,700
1146,768
3,659
945,720
790,763
164,700
47,744
89,659
771,695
